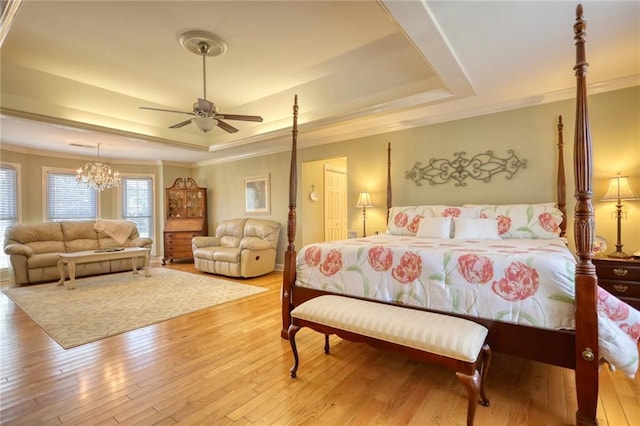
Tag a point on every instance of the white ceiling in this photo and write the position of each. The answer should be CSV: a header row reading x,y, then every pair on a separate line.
x,y
359,68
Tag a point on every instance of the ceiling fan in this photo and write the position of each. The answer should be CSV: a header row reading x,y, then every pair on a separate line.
x,y
205,113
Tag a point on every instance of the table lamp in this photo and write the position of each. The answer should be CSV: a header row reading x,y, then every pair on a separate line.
x,y
619,189
364,201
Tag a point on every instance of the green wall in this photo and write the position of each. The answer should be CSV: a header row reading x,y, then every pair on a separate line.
x,y
530,132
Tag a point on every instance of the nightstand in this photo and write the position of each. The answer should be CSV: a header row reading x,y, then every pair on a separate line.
x,y
620,277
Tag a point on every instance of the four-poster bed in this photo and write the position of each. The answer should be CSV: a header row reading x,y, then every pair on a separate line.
x,y
576,348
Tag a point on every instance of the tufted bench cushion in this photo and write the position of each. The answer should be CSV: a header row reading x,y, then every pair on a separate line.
x,y
445,335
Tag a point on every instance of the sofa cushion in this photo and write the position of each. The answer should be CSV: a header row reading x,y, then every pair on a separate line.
x,y
46,246
42,238
231,228
229,241
227,254
266,230
79,236
204,252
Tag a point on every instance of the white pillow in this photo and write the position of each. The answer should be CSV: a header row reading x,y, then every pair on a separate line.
x,y
475,229
435,227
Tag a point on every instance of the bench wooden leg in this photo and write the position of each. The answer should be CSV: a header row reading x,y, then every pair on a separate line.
x,y
326,344
475,385
486,363
472,384
293,330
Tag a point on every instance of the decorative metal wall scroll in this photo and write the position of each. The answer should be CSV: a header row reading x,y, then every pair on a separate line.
x,y
479,167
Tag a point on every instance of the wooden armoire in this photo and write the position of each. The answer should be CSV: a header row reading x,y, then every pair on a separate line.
x,y
186,208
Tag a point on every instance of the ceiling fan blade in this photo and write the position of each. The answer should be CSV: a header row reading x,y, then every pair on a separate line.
x,y
206,106
167,110
227,127
181,124
256,118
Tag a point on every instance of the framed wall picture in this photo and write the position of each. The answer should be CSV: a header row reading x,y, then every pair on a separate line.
x,y
257,195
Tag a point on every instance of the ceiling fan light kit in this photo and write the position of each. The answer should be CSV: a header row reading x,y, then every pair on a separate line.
x,y
206,115
204,124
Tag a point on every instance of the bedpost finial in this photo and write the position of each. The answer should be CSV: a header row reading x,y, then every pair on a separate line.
x,y
580,26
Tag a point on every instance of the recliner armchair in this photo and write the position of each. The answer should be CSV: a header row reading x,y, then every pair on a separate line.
x,y
242,247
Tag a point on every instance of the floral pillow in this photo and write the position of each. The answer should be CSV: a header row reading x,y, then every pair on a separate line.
x,y
524,220
406,220
468,212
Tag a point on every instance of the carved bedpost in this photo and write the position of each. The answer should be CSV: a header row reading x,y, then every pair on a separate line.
x,y
289,274
586,279
561,186
389,201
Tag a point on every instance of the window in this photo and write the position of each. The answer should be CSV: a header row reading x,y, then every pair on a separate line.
x,y
67,200
137,203
8,203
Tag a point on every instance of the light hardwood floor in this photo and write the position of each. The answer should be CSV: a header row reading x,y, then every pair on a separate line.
x,y
228,365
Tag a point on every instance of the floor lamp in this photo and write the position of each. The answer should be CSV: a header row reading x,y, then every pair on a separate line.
x,y
619,189
364,201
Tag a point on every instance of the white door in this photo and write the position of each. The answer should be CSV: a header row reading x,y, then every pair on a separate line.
x,y
335,206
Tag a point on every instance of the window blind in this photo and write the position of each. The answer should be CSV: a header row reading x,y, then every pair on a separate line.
x,y
8,194
8,203
137,203
66,200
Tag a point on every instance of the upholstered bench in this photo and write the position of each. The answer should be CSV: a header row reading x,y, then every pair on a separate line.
x,y
452,342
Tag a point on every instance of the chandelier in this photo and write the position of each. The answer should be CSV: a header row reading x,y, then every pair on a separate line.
x,y
98,175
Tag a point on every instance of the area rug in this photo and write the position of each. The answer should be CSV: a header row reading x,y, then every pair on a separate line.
x,y
111,304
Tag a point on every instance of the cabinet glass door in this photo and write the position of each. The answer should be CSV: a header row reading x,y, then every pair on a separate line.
x,y
194,203
176,204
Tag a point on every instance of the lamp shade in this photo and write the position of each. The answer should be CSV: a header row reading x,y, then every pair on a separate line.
x,y
620,189
204,123
364,200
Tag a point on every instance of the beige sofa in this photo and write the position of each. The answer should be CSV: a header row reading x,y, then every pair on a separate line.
x,y
241,248
33,249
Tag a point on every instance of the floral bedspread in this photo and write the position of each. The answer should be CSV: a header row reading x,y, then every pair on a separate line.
x,y
523,281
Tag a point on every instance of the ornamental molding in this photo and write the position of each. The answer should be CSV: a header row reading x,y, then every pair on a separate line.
x,y
480,167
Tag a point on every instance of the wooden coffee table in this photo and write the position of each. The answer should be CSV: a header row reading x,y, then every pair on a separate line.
x,y
88,256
